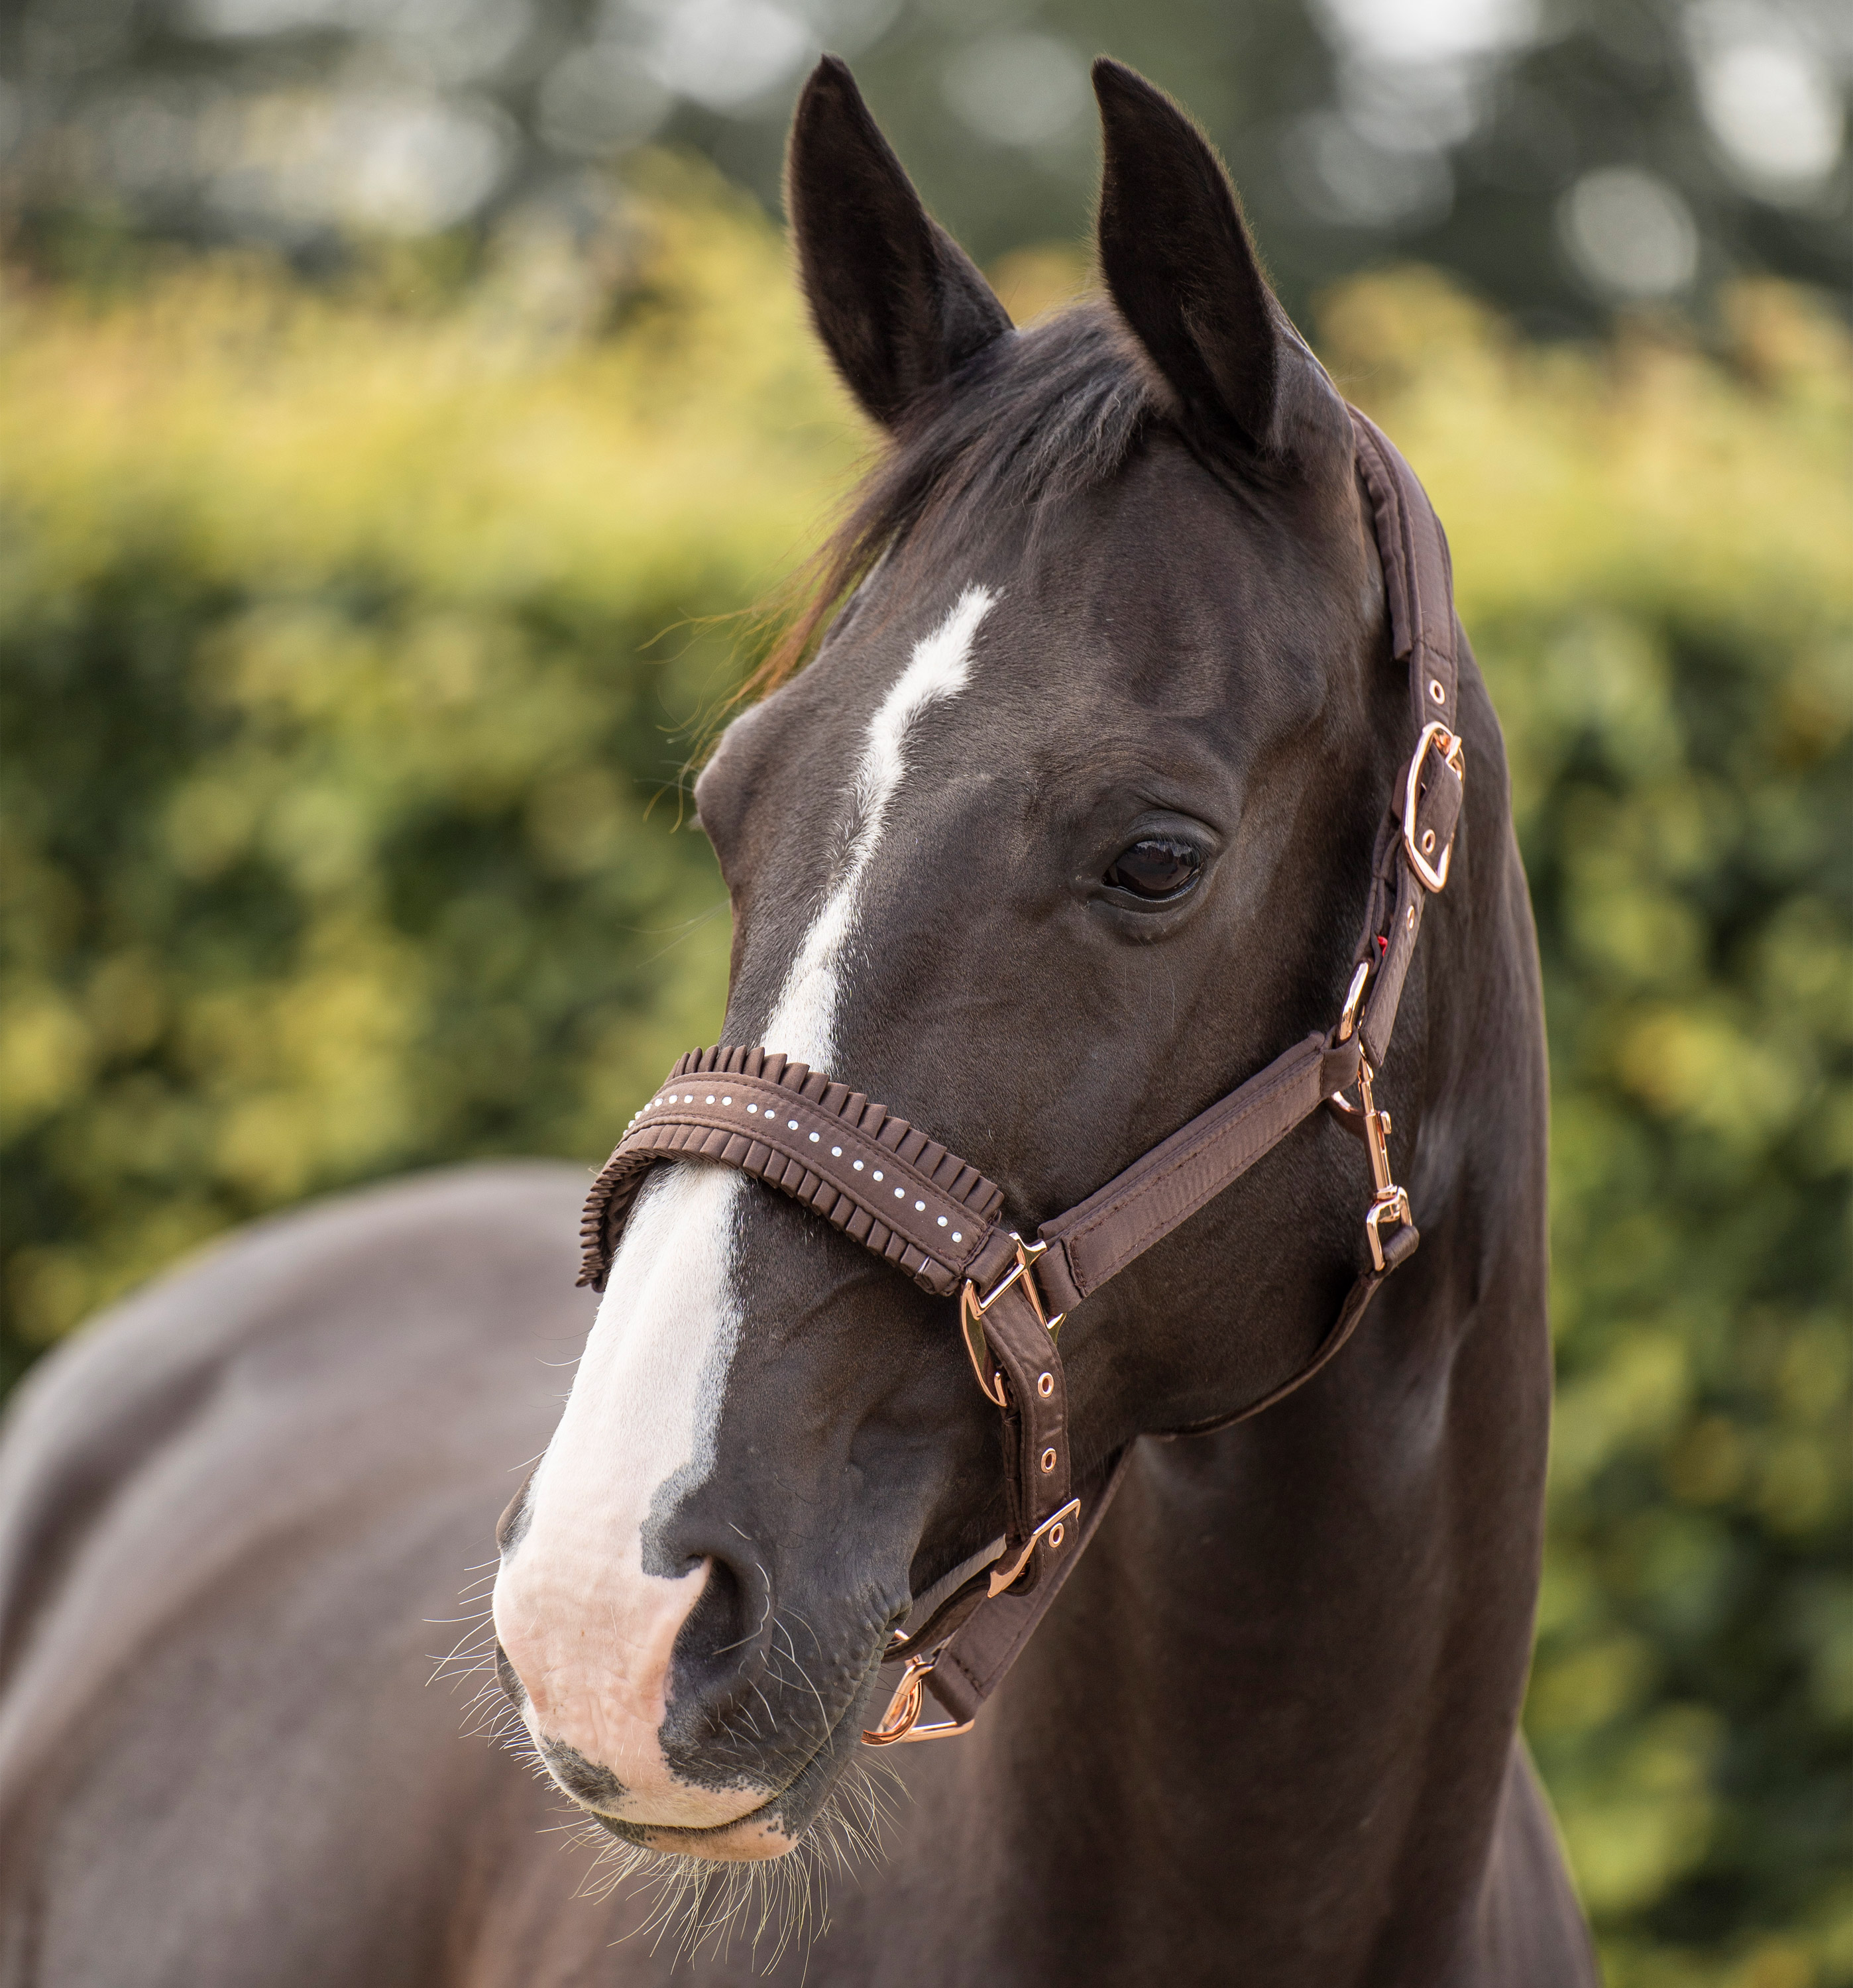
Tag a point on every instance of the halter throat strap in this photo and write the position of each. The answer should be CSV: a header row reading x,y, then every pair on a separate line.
x,y
891,1187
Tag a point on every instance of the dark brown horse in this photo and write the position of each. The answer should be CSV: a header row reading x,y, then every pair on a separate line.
x,y
1064,832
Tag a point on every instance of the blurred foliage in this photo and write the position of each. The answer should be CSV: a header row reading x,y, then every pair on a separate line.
x,y
354,641
1652,559
1559,155
351,647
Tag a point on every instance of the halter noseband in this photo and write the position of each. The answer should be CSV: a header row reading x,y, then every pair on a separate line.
x,y
888,1186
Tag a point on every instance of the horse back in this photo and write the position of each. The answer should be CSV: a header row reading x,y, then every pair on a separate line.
x,y
236,1515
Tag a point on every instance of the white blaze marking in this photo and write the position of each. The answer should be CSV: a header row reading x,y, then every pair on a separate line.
x,y
590,1631
803,1024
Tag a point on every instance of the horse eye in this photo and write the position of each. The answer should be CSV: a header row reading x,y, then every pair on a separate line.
x,y
1155,868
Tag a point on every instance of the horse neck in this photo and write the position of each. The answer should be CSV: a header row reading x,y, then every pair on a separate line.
x,y
1285,1680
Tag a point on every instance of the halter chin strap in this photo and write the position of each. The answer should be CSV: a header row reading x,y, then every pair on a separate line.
x,y
890,1187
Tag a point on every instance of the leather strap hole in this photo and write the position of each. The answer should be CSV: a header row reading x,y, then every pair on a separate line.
x,y
1048,1460
1436,691
1045,1385
1057,1534
1428,847
1410,920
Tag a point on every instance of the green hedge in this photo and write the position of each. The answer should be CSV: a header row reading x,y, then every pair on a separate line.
x,y
1653,555
354,646
351,650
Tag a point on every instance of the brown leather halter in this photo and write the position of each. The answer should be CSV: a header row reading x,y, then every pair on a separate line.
x,y
891,1187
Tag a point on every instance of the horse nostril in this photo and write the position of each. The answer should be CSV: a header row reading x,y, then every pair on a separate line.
x,y
715,1637
513,1523
509,1679
719,1666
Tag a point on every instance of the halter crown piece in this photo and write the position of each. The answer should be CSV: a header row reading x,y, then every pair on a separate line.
x,y
888,1186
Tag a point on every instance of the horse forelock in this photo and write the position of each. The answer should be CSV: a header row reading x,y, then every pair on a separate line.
x,y
1032,423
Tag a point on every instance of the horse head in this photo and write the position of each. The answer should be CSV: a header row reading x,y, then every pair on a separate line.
x,y
1064,832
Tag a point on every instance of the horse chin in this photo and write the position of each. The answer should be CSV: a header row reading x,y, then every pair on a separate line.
x,y
696,1813
757,1838
775,1827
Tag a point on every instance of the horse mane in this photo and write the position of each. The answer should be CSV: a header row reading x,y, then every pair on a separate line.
x,y
1038,416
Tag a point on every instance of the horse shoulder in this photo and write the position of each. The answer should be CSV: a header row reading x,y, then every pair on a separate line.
x,y
1533,1933
235,1514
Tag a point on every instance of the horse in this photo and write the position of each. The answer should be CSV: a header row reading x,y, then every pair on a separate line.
x,y
1063,830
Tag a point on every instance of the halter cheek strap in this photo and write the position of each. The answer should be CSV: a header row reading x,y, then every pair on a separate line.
x,y
889,1186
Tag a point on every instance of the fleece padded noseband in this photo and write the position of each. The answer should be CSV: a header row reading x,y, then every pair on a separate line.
x,y
867,1172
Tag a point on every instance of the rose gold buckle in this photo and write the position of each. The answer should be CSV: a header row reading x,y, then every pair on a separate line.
x,y
972,1310
1393,1206
1054,1529
1347,1019
1391,1202
1434,875
900,1725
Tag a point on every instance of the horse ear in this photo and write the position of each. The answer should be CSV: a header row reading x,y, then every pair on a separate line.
x,y
897,302
1179,264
